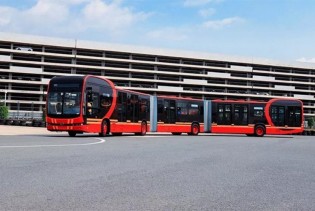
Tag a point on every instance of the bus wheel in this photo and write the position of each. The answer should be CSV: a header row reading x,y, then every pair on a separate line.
x,y
177,133
104,129
72,133
143,129
260,131
194,129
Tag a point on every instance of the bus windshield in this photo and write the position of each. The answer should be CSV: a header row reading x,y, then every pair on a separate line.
x,y
64,97
64,103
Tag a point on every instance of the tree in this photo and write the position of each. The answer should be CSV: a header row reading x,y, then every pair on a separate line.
x,y
4,112
311,122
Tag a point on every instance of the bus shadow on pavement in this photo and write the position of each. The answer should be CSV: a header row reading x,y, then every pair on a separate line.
x,y
245,136
89,135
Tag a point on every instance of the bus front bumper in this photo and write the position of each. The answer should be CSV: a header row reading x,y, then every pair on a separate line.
x,y
93,128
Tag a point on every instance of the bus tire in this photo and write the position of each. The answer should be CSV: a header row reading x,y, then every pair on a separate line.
x,y
143,129
177,133
194,129
104,129
72,133
260,131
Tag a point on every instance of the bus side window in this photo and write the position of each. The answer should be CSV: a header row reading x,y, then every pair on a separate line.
x,y
245,115
160,113
220,114
133,108
240,114
278,115
201,109
224,114
144,105
258,111
182,111
227,114
294,119
122,106
89,94
93,108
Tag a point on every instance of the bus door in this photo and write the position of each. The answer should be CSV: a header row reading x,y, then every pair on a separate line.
x,y
92,104
122,106
278,115
240,114
170,111
87,99
294,116
224,114
133,108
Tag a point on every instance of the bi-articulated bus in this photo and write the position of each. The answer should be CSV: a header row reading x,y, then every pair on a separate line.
x,y
92,104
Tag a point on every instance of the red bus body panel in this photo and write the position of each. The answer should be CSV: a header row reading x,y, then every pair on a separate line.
x,y
232,129
126,127
92,126
283,130
270,130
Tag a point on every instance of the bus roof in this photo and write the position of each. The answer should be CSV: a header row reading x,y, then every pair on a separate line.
x,y
254,101
178,98
238,101
131,91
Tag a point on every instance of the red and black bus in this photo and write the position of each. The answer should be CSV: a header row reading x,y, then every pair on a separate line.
x,y
277,116
91,104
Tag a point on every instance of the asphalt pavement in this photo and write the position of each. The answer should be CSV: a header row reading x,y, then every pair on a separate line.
x,y
51,171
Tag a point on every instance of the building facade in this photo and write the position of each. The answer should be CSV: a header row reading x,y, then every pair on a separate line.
x,y
27,63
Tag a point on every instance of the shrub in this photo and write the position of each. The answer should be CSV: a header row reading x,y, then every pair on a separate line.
x,y
4,112
311,122
44,115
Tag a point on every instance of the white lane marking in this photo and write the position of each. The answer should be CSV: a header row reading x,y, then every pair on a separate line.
x,y
58,145
145,136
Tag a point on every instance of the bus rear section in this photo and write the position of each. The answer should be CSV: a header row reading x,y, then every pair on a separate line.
x,y
255,118
177,115
284,116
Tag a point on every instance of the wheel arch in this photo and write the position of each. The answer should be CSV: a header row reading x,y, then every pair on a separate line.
x,y
260,124
145,121
195,122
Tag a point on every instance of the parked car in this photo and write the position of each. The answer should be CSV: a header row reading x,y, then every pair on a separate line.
x,y
24,48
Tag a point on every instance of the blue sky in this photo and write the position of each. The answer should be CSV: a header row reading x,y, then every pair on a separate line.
x,y
272,29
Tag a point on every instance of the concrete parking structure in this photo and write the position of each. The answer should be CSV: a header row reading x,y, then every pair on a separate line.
x,y
25,73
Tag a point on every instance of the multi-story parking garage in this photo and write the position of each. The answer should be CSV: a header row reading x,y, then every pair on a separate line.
x,y
27,63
